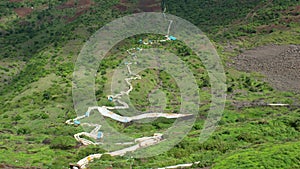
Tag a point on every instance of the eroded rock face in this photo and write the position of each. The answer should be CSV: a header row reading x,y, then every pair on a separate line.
x,y
280,65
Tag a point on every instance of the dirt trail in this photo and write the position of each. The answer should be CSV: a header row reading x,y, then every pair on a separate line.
x,y
280,65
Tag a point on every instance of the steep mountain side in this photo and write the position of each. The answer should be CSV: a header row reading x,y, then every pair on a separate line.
x,y
40,41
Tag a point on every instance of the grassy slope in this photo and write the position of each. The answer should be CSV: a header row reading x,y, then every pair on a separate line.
x,y
31,114
267,156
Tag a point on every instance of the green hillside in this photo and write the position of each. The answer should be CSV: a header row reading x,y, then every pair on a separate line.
x,y
40,41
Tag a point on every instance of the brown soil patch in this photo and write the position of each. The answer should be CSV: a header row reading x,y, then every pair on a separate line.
x,y
22,12
149,5
82,6
270,28
295,10
84,3
140,6
291,15
15,0
280,65
291,19
7,166
78,13
121,7
68,4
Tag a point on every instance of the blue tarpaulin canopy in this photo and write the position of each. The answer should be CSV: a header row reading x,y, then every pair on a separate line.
x,y
172,38
110,99
77,122
99,135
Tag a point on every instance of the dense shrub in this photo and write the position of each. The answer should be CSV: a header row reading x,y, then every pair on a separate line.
x,y
63,142
23,130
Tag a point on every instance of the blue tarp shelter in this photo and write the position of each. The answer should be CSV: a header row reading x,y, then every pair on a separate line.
x,y
99,135
77,122
172,38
